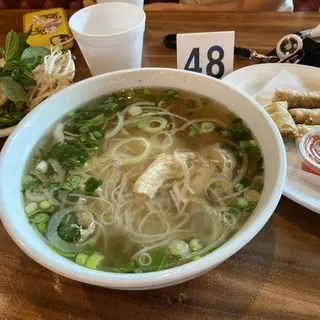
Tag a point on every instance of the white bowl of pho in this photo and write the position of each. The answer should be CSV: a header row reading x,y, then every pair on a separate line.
x,y
140,179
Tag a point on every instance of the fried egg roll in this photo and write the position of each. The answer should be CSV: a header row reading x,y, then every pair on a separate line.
x,y
282,118
297,99
306,116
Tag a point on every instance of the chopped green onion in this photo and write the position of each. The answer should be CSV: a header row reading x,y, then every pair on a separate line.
x,y
45,204
252,206
135,110
31,207
195,244
63,254
242,202
248,143
147,90
252,195
233,211
41,217
26,181
42,227
225,133
138,270
207,127
144,259
243,183
179,247
196,258
29,215
70,113
192,132
98,134
81,259
86,165
94,260
89,249
141,124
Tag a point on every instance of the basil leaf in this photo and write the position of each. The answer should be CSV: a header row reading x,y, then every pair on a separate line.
x,y
17,65
14,90
23,41
24,79
11,45
33,56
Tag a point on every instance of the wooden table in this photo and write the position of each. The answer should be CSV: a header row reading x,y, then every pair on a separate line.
x,y
276,276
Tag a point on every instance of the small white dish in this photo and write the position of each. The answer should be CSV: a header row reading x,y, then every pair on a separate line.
x,y
251,80
16,152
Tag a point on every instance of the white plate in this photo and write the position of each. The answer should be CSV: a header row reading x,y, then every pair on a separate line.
x,y
5,132
251,80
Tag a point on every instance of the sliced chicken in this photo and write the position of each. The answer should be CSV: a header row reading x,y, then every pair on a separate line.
x,y
165,167
86,222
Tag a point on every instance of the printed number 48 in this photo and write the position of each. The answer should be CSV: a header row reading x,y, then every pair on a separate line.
x,y
195,55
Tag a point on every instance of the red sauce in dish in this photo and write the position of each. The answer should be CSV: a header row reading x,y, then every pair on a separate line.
x,y
312,149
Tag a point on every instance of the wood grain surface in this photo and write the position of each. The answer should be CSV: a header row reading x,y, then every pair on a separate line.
x,y
276,276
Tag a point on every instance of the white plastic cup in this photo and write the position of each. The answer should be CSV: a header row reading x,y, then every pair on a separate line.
x,y
110,36
138,3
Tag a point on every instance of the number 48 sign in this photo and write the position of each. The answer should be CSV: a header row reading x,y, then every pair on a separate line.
x,y
210,53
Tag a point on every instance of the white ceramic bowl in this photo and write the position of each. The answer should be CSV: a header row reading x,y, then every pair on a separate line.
x,y
38,122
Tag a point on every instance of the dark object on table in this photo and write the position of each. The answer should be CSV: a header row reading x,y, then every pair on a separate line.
x,y
308,55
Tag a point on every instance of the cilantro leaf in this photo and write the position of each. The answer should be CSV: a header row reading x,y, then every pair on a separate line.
x,y
109,105
92,184
72,183
69,156
67,229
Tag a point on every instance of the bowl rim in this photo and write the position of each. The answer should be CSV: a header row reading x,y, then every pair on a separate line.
x,y
156,279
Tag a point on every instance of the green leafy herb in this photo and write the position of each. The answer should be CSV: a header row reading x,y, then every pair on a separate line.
x,y
23,40
259,169
70,184
13,90
239,131
233,211
128,268
11,46
33,56
67,229
92,184
109,105
170,95
69,156
192,132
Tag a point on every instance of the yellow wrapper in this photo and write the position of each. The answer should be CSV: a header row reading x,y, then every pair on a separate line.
x,y
50,27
